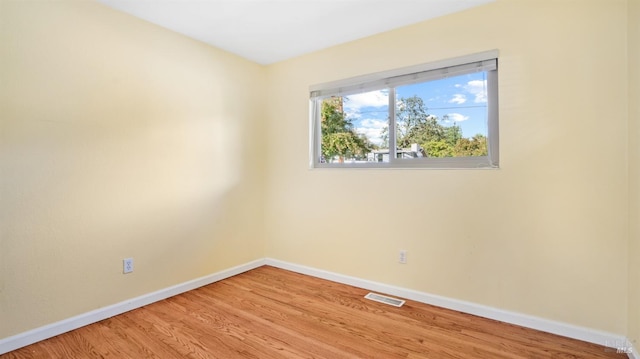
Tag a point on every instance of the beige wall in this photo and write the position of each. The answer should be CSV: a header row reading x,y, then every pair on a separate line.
x,y
634,172
545,235
119,139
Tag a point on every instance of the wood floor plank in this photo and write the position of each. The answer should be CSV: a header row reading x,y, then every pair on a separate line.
x,y
270,313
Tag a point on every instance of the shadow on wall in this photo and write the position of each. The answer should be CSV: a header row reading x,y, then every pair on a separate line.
x,y
101,177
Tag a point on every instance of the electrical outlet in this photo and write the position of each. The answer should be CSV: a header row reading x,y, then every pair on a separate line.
x,y
402,257
127,265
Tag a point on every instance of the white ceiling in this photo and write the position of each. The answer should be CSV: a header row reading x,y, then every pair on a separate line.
x,y
268,31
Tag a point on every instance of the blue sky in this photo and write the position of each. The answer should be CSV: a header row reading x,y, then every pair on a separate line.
x,y
460,99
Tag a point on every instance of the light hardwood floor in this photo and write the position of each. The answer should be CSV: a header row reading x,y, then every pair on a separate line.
x,y
273,313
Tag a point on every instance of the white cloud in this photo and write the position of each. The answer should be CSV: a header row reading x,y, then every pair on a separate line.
x,y
372,128
455,117
478,88
458,99
375,123
352,114
368,99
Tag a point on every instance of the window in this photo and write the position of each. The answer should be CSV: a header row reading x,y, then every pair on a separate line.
x,y
438,115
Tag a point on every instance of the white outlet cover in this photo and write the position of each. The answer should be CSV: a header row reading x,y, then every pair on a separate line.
x,y
127,265
402,258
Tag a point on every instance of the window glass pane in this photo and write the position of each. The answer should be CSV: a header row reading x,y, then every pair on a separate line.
x,y
354,128
442,118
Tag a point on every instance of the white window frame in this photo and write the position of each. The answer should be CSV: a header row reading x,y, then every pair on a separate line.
x,y
485,61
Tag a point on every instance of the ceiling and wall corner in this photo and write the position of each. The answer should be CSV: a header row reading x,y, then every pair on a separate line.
x,y
268,31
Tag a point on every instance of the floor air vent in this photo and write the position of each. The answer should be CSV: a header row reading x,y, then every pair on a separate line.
x,y
384,299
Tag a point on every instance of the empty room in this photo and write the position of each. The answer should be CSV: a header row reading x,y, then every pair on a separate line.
x,y
216,179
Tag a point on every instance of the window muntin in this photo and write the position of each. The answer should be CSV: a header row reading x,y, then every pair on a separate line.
x,y
441,118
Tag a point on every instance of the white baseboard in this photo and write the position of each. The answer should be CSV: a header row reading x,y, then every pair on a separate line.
x,y
567,330
585,334
23,339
